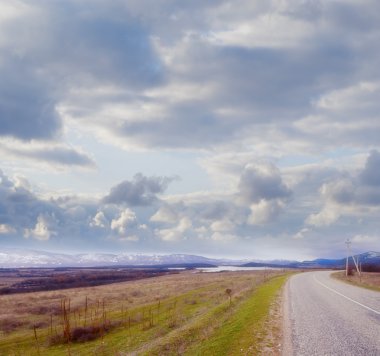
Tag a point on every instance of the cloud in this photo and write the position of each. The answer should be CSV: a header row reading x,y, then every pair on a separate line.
x,y
19,207
327,216
195,76
360,189
71,47
6,229
236,77
294,83
301,234
177,232
44,229
370,175
265,211
350,193
165,214
222,225
141,191
56,155
99,220
262,182
127,227
223,237
262,189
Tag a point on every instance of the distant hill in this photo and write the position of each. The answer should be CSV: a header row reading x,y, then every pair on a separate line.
x,y
367,260
18,258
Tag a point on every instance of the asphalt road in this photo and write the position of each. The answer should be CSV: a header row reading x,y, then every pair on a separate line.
x,y
324,316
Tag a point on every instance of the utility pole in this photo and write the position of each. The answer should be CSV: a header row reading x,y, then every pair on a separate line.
x,y
348,243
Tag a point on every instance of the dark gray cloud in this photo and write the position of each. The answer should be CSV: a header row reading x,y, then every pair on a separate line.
x,y
371,173
262,182
72,46
251,86
27,102
245,75
141,191
350,193
19,207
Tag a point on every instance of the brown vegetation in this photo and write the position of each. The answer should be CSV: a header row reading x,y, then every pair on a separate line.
x,y
368,279
21,281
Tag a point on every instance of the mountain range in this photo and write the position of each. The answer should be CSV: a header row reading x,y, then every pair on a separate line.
x,y
18,258
370,258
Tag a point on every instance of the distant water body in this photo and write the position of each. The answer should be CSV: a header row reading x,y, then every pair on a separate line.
x,y
232,269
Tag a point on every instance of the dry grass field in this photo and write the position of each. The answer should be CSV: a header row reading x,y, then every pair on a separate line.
x,y
370,280
186,313
46,279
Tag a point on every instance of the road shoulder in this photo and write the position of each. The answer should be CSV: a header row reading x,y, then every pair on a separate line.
x,y
287,345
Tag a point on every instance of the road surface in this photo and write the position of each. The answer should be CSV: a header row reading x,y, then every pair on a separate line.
x,y
324,316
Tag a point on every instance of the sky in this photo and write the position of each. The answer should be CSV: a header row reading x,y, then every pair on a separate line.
x,y
241,129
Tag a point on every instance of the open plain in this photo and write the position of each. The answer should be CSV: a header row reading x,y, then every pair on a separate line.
x,y
186,313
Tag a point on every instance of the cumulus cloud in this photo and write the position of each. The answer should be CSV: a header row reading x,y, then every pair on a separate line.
x,y
19,207
222,225
327,216
262,182
127,219
127,227
99,220
165,214
141,191
177,232
6,229
44,229
261,187
265,211
349,193
360,189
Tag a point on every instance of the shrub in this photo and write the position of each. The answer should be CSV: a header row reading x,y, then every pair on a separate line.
x,y
83,334
8,325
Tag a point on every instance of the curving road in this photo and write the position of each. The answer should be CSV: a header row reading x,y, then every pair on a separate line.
x,y
324,316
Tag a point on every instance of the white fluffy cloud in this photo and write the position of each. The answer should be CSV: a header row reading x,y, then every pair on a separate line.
x,y
99,220
177,232
6,229
44,229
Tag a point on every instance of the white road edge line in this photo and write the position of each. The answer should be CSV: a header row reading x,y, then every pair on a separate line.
x,y
348,298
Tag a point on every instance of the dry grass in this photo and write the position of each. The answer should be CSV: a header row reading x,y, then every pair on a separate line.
x,y
125,316
370,280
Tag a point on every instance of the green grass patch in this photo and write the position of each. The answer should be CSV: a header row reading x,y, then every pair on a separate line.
x,y
244,331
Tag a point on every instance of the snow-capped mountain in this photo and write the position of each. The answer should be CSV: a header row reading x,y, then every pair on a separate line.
x,y
29,258
366,259
17,258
